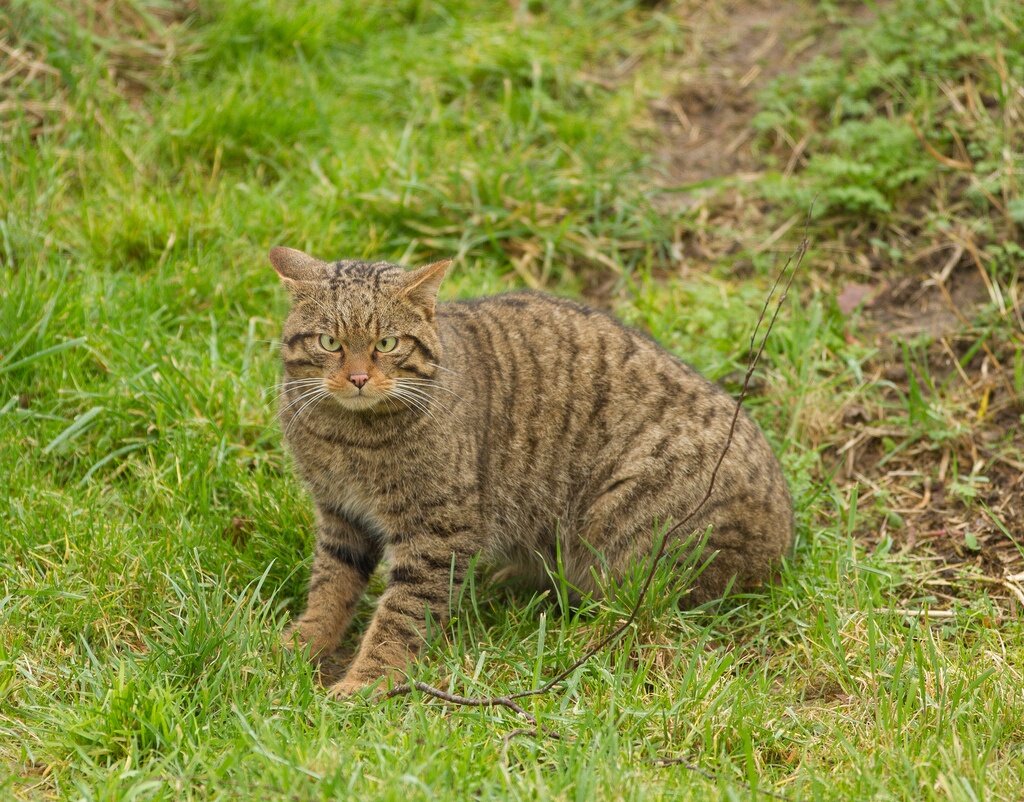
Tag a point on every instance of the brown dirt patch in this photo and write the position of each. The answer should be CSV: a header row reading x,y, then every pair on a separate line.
x,y
948,487
708,150
737,46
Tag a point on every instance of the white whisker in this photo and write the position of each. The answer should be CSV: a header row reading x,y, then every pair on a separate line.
x,y
401,401
442,367
419,402
296,383
284,388
317,396
302,396
418,380
302,392
424,398
394,399
420,384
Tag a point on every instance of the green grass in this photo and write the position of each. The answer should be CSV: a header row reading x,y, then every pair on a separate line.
x,y
155,538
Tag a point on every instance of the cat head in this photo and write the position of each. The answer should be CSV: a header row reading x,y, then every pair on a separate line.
x,y
367,331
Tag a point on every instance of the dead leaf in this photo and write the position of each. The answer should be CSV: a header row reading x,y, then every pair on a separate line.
x,y
852,296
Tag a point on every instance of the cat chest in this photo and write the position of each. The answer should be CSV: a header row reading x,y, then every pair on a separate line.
x,y
360,493
387,495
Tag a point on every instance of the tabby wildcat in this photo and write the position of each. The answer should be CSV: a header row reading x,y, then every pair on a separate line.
x,y
430,434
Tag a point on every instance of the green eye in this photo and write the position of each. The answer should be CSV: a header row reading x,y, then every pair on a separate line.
x,y
387,344
328,343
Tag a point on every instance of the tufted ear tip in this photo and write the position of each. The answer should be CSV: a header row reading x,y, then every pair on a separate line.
x,y
293,265
278,254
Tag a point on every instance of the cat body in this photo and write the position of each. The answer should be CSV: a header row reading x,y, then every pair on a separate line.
x,y
518,431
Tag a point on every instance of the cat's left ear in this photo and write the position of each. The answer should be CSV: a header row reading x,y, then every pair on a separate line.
x,y
421,285
295,267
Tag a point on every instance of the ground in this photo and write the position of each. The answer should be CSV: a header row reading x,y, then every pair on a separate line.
x,y
660,159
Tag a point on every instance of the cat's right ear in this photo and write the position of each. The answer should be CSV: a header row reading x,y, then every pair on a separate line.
x,y
421,285
295,267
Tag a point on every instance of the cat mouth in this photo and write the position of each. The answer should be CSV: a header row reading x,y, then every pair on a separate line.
x,y
353,398
358,400
364,398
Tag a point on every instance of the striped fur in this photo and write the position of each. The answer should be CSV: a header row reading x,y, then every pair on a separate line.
x,y
494,429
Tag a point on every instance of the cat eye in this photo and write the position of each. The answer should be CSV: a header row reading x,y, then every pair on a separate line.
x,y
328,343
387,344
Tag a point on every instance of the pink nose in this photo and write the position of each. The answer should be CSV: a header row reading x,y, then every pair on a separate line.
x,y
359,379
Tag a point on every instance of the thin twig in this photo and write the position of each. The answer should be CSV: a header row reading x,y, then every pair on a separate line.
x,y
465,701
531,732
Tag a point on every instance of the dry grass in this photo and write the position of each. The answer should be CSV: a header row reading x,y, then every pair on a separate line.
x,y
133,47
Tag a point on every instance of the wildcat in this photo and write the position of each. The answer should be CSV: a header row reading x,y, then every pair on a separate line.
x,y
432,434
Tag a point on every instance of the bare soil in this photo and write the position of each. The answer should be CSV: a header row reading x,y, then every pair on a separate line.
x,y
739,45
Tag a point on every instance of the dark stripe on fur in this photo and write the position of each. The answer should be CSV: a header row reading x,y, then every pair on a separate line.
x,y
290,342
362,562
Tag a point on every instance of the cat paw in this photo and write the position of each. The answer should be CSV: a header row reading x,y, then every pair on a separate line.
x,y
298,636
348,687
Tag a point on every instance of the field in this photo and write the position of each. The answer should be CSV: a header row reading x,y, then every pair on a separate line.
x,y
662,160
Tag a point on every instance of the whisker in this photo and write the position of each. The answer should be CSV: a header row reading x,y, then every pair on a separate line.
x,y
442,367
420,388
422,383
283,389
417,391
401,401
417,401
294,382
316,397
302,397
394,399
419,380
420,395
304,387
301,380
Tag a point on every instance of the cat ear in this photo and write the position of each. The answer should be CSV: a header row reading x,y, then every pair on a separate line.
x,y
421,284
295,266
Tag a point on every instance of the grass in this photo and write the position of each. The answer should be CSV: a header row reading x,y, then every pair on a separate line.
x,y
155,538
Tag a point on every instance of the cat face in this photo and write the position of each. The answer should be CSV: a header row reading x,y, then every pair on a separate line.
x,y
366,331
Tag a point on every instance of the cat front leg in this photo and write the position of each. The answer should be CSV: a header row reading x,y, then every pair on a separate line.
x,y
345,558
424,581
